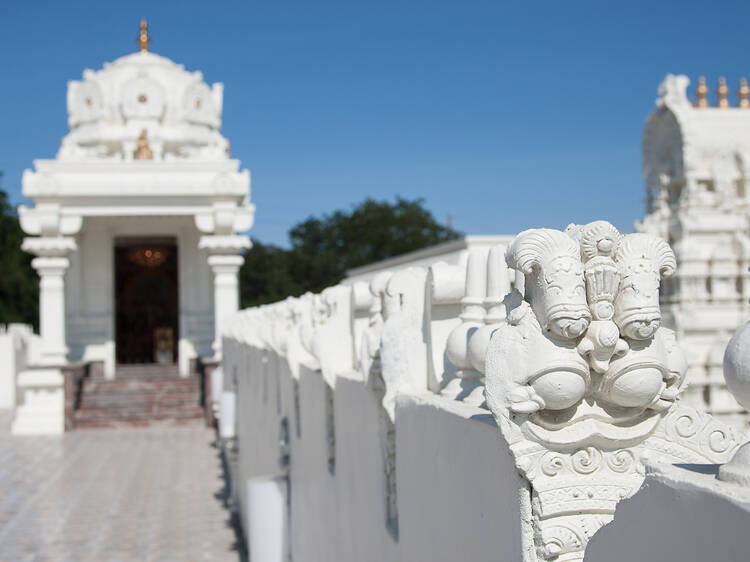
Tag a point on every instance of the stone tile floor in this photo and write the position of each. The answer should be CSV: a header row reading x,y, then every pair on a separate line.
x,y
153,493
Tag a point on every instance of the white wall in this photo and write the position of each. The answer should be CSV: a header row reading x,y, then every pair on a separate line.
x,y
16,342
459,492
680,515
384,465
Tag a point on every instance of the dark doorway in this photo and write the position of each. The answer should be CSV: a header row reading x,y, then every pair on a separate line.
x,y
146,300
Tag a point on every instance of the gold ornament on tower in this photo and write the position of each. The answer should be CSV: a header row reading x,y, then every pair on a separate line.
x,y
702,92
143,38
142,150
743,93
723,92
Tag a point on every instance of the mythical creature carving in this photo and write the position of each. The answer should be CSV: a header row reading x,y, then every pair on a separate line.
x,y
582,376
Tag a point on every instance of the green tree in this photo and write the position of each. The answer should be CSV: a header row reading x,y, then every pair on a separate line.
x,y
19,285
324,249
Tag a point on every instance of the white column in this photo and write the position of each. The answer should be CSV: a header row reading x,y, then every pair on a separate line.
x,y
226,293
51,265
225,260
42,407
51,272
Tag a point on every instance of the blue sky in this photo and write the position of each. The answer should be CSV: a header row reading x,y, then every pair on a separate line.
x,y
503,115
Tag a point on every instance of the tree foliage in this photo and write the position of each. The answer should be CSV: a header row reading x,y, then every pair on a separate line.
x,y
19,285
324,249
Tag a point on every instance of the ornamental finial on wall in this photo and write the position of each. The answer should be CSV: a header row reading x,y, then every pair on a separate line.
x,y
723,92
143,38
702,92
743,93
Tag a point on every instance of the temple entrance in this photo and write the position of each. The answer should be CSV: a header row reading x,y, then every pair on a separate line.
x,y
146,300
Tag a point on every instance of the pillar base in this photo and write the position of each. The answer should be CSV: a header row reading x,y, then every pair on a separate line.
x,y
42,398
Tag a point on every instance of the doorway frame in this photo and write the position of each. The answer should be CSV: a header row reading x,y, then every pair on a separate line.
x,y
126,240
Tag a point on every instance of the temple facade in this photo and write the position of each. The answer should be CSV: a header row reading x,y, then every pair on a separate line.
x,y
696,165
138,223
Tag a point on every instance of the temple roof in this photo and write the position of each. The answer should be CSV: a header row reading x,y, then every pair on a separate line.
x,y
109,109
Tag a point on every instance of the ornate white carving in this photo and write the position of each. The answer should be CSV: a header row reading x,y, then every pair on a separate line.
x,y
403,353
737,376
445,286
85,102
583,380
467,384
142,98
331,344
369,359
498,286
698,198
299,344
108,108
198,104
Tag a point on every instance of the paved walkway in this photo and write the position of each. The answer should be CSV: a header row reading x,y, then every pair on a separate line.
x,y
114,495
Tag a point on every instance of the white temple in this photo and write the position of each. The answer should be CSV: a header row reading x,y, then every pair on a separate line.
x,y
137,223
696,163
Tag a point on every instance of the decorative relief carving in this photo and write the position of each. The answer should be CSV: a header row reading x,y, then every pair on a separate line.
x,y
198,105
583,379
142,98
85,102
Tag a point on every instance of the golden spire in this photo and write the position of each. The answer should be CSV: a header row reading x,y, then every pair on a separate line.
x,y
142,149
743,93
723,92
143,39
702,92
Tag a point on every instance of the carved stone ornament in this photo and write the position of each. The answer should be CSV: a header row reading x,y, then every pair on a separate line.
x,y
583,380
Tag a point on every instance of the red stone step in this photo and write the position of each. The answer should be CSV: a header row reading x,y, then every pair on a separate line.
x,y
156,412
139,395
138,401
91,424
141,385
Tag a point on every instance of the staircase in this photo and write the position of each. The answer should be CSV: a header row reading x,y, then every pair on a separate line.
x,y
138,395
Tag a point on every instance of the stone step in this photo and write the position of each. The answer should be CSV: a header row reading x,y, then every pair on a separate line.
x,y
142,392
139,395
138,401
143,413
141,385
142,370
99,424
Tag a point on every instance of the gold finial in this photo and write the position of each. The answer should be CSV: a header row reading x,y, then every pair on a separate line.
x,y
702,92
743,93
723,92
142,150
143,39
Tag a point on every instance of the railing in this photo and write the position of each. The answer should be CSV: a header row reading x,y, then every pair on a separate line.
x,y
377,397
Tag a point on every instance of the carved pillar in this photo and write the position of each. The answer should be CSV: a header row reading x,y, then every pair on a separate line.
x,y
225,263
51,265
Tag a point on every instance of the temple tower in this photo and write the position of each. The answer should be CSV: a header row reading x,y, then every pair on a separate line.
x,y
696,165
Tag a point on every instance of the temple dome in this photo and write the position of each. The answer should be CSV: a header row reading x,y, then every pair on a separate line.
x,y
110,108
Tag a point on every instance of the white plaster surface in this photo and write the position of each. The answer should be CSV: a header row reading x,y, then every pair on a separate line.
x,y
41,409
459,493
679,515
